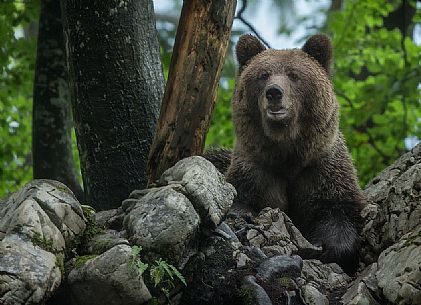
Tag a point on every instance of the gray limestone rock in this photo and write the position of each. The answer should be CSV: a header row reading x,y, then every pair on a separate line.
x,y
110,219
38,223
108,279
204,186
312,296
104,241
399,270
393,204
325,278
46,209
163,222
275,234
259,295
28,273
364,289
280,266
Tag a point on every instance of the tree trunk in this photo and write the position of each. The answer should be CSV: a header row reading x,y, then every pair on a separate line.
x,y
51,122
199,52
117,86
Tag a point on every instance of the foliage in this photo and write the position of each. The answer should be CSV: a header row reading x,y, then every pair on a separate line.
x,y
376,79
161,273
41,241
136,264
17,61
81,260
221,132
91,226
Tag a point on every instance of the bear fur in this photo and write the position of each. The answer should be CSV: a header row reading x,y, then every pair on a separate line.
x,y
289,152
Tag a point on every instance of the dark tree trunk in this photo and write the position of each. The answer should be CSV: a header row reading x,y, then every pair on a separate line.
x,y
51,122
117,85
199,52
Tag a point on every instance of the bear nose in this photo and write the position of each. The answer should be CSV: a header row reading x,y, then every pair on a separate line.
x,y
274,93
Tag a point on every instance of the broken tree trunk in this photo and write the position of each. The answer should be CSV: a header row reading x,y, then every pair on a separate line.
x,y
199,52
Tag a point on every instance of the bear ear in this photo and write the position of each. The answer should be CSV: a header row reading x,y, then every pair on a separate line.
x,y
320,48
247,47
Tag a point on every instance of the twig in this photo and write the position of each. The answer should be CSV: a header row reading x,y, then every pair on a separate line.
x,y
249,25
346,98
364,128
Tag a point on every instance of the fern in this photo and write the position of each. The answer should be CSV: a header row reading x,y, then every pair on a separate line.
x,y
161,269
136,264
161,273
178,274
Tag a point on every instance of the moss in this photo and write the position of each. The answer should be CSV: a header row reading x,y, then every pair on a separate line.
x,y
63,189
102,245
42,242
411,238
60,262
81,260
153,301
247,296
91,227
286,282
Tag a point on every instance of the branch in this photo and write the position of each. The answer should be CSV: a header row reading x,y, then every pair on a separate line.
x,y
249,25
364,128
346,98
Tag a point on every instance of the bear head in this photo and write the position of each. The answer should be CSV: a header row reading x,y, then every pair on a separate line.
x,y
284,94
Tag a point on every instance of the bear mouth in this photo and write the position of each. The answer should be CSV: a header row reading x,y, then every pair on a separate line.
x,y
277,115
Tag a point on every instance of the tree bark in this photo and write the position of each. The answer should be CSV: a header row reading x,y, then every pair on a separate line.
x,y
51,121
117,86
199,52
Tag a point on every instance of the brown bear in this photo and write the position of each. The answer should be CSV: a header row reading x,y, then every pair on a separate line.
x,y
289,152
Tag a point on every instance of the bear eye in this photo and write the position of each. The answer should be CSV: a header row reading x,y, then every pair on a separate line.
x,y
263,76
293,76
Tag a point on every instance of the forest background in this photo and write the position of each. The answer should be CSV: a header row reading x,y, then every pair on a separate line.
x,y
376,73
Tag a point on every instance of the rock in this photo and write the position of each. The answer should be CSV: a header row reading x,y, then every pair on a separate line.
x,y
163,222
280,266
225,231
280,236
364,289
46,209
111,219
38,222
108,279
253,293
312,296
28,273
103,241
328,279
393,208
204,186
399,272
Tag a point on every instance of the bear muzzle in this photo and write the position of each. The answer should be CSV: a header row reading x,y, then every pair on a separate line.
x,y
273,105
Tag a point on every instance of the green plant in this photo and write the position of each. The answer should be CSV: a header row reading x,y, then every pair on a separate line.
x,y
39,240
136,264
376,78
162,274
91,227
17,62
81,260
